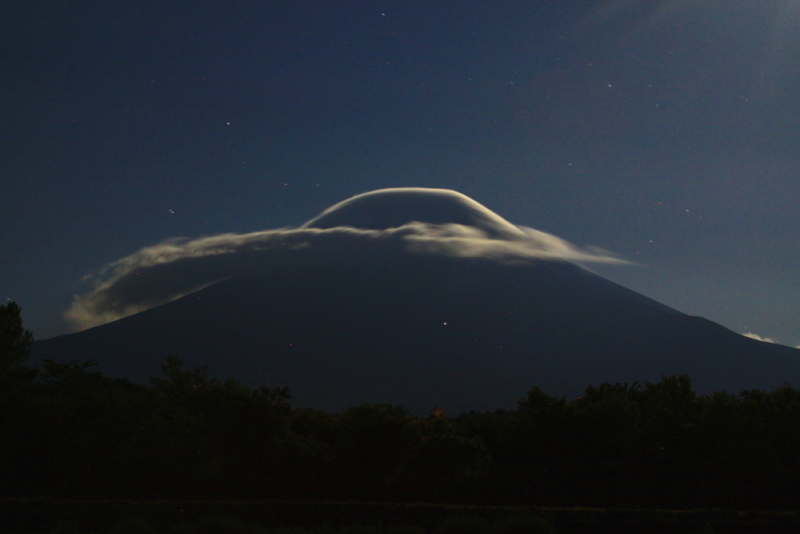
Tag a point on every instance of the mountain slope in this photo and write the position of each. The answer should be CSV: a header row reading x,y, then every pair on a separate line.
x,y
425,331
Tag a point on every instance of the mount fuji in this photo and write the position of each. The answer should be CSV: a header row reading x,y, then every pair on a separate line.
x,y
418,297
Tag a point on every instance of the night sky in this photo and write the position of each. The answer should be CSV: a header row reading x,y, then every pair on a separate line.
x,y
666,132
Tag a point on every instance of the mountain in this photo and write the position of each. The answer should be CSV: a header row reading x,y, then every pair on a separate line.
x,y
424,329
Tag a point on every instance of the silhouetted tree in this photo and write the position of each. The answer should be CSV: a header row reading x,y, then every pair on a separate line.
x,y
178,380
15,341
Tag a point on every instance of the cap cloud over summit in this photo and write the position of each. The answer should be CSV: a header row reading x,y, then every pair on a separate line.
x,y
367,227
389,208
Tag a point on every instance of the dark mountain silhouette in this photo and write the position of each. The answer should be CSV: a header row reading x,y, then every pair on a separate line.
x,y
425,330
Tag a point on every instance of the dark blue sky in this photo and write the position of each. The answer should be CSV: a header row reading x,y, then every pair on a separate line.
x,y
665,131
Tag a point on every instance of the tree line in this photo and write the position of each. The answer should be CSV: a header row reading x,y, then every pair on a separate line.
x,y
68,431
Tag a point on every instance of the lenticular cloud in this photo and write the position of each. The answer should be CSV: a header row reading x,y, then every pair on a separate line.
x,y
371,227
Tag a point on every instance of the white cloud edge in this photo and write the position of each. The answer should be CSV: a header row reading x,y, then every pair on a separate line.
x,y
753,335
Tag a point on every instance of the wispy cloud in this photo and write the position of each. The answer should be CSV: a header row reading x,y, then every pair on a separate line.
x,y
759,338
169,270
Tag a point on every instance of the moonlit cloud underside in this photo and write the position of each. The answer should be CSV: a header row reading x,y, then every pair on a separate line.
x,y
169,270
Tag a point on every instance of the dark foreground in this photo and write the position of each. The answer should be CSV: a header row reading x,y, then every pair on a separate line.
x,y
71,433
286,517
